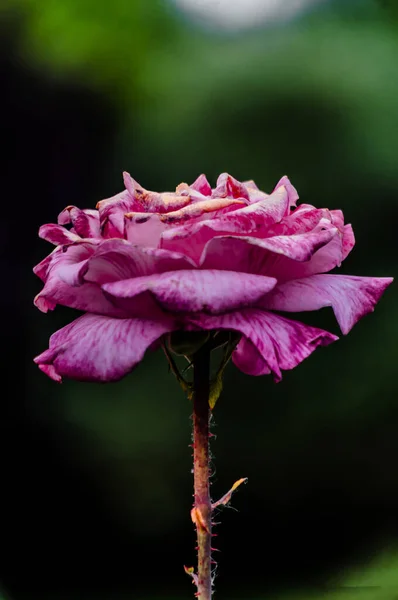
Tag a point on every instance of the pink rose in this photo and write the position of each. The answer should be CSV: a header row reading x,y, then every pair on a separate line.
x,y
146,264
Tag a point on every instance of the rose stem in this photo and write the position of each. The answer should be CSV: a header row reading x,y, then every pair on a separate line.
x,y
201,512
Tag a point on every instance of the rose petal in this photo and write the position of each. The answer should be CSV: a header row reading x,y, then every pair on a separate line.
x,y
271,343
302,220
146,229
153,202
57,235
115,260
201,185
66,261
70,264
63,273
326,258
350,297
183,189
86,223
134,189
200,209
112,211
41,270
143,229
191,238
348,241
97,348
87,297
291,190
270,256
249,183
51,372
228,186
189,291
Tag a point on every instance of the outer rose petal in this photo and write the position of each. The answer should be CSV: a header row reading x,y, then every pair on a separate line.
x,y
86,223
63,273
326,258
66,262
97,348
270,344
348,241
190,291
57,235
302,220
350,297
115,260
87,297
41,270
270,256
67,265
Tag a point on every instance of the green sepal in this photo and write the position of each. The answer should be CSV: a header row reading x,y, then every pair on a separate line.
x,y
186,343
229,343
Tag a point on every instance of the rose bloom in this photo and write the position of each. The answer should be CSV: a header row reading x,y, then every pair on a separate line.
x,y
146,264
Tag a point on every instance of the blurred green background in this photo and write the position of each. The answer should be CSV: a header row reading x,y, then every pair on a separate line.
x,y
96,481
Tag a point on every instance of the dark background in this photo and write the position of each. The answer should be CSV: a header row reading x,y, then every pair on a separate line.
x,y
95,480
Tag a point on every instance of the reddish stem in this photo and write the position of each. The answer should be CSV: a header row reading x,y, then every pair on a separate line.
x,y
201,512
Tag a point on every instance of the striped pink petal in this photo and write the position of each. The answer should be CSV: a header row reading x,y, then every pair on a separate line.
x,y
228,186
112,211
270,343
350,297
57,235
116,260
201,185
63,274
154,202
253,219
41,269
270,256
98,348
87,297
86,223
291,190
144,229
189,291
